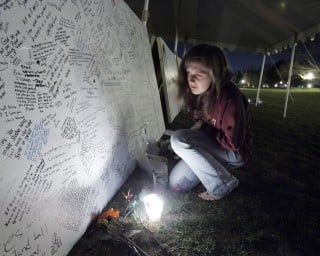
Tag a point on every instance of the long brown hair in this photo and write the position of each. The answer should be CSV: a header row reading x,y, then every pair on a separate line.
x,y
214,59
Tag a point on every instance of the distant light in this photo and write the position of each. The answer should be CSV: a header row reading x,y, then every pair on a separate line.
x,y
283,4
154,206
309,86
243,81
309,76
281,82
276,85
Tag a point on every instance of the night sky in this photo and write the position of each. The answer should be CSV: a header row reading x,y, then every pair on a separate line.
x,y
246,60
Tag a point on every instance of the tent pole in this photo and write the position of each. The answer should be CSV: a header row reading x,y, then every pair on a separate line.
x,y
289,79
176,43
185,44
176,47
145,12
260,80
177,19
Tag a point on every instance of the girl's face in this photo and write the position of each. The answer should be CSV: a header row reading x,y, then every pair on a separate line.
x,y
199,77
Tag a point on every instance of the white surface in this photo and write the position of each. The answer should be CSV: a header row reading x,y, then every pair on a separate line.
x,y
77,87
169,73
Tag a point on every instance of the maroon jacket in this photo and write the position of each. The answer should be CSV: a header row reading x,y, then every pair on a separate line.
x,y
229,122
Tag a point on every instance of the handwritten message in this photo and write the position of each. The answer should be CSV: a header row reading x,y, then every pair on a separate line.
x,y
30,190
76,87
36,140
15,141
20,243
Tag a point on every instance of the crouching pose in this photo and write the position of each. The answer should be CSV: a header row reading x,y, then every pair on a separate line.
x,y
220,138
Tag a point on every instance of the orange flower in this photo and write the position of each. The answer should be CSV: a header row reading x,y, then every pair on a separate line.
x,y
111,213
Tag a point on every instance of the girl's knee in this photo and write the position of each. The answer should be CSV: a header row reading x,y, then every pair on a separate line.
x,y
182,185
174,186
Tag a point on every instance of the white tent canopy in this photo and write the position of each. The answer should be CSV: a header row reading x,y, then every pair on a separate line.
x,y
251,25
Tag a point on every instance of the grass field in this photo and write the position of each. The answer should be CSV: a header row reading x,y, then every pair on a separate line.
x,y
274,211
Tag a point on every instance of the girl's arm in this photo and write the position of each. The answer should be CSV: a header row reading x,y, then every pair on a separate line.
x,y
197,125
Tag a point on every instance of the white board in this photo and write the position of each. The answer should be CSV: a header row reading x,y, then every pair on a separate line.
x,y
77,90
169,73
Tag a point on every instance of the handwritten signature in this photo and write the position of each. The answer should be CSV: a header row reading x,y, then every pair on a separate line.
x,y
30,245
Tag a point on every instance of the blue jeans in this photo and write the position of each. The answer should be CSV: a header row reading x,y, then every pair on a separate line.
x,y
202,160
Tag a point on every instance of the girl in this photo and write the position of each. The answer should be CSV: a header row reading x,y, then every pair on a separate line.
x,y
220,139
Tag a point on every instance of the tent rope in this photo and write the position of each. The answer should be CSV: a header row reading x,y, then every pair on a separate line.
x,y
279,74
316,66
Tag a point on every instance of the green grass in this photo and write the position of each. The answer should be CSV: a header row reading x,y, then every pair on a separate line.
x,y
274,211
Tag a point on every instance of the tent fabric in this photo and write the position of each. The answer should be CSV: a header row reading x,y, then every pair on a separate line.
x,y
249,25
